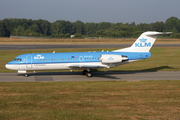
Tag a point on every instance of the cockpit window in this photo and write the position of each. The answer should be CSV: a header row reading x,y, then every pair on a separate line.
x,y
17,59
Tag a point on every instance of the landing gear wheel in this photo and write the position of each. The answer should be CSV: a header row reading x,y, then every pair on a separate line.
x,y
85,72
26,75
89,74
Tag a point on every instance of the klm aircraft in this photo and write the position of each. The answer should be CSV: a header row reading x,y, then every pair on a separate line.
x,y
85,60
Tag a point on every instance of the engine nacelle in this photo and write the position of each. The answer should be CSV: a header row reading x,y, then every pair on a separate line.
x,y
107,59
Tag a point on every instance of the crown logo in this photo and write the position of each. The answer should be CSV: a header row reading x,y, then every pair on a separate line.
x,y
143,40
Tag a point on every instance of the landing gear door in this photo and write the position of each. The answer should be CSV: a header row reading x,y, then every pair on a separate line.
x,y
29,62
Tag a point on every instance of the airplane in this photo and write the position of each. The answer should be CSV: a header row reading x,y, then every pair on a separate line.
x,y
85,61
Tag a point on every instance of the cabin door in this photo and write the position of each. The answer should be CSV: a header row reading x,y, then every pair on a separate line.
x,y
29,62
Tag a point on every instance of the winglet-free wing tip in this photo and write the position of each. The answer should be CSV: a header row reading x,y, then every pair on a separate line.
x,y
167,32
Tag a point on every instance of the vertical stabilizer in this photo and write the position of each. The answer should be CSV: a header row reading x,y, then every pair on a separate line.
x,y
143,43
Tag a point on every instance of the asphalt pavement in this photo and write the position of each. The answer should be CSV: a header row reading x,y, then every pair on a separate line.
x,y
97,76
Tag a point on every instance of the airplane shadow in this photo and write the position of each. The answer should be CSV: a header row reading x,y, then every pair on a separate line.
x,y
107,74
158,68
100,74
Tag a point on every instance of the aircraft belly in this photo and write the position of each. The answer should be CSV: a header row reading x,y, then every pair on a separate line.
x,y
89,65
22,67
58,66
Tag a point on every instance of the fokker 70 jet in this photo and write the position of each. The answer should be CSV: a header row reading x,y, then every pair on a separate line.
x,y
85,60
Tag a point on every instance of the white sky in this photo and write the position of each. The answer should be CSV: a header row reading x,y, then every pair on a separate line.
x,y
125,11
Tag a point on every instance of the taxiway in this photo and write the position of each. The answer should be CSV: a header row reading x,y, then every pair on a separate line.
x,y
97,76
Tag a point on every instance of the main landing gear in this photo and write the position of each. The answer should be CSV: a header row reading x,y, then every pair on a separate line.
x,y
87,73
26,75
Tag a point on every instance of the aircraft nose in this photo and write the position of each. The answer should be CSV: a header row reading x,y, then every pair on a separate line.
x,y
7,66
11,66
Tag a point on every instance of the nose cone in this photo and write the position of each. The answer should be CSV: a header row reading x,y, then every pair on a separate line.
x,y
10,66
7,66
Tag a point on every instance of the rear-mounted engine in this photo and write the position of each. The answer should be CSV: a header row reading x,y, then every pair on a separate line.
x,y
106,59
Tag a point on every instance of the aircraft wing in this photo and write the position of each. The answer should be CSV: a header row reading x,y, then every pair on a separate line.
x,y
87,66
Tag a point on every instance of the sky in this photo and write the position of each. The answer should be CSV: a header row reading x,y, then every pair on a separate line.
x,y
114,11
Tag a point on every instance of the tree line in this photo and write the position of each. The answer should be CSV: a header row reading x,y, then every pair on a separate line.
x,y
61,28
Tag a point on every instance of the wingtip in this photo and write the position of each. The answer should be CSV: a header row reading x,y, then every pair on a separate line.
x,y
167,32
152,33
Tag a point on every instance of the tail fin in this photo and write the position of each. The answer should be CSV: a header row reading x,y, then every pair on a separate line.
x,y
143,43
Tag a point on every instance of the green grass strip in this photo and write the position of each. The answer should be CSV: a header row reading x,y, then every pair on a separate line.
x,y
90,100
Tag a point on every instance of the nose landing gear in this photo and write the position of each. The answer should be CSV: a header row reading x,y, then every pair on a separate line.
x,y
26,75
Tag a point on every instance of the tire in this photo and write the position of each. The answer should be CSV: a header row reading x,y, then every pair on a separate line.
x,y
88,74
26,75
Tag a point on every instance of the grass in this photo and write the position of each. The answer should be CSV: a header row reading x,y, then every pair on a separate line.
x,y
162,59
90,100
